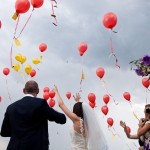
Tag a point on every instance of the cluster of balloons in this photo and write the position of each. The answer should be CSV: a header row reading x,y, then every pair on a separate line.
x,y
22,6
49,94
92,98
28,68
104,108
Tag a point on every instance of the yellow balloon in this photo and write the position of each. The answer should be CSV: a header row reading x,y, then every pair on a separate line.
x,y
16,67
18,57
28,69
23,59
35,61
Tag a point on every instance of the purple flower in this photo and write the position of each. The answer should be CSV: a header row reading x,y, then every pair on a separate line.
x,y
139,72
146,60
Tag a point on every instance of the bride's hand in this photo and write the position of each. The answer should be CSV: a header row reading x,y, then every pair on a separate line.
x,y
77,97
59,99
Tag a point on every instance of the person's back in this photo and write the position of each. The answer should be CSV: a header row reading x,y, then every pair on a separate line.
x,y
26,122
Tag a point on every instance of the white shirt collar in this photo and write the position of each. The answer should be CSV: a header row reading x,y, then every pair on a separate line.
x,y
29,95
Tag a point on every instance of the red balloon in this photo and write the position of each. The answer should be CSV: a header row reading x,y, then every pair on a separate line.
x,y
82,47
127,96
0,24
37,3
52,103
22,6
51,94
46,95
145,82
92,104
110,20
42,47
100,72
104,109
32,73
68,95
91,97
46,89
0,98
106,98
110,121
6,71
128,129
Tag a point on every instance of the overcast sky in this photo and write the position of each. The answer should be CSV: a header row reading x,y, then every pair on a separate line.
x,y
62,65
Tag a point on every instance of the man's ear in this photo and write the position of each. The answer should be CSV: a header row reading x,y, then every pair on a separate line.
x,y
38,91
24,91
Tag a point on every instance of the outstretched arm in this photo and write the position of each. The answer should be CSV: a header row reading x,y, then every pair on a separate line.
x,y
61,104
52,115
123,124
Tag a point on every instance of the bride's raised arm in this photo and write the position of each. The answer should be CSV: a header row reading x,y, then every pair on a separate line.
x,y
64,108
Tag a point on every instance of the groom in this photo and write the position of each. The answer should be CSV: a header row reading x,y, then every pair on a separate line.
x,y
26,121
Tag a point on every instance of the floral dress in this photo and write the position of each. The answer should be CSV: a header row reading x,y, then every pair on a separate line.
x,y
147,139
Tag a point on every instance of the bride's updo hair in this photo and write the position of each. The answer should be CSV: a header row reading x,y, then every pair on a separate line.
x,y
77,109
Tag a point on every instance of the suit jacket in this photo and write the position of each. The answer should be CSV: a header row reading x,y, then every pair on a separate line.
x,y
26,123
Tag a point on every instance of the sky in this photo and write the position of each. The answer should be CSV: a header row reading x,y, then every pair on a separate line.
x,y
62,65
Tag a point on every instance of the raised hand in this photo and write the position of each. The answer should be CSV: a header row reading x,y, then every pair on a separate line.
x,y
77,97
122,124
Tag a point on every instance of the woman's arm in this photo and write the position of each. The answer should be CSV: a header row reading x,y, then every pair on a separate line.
x,y
61,104
143,128
123,124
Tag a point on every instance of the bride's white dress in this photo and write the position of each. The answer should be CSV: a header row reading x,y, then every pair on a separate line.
x,y
79,141
94,139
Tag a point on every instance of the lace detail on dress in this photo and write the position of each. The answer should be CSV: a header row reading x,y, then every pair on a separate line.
x,y
81,127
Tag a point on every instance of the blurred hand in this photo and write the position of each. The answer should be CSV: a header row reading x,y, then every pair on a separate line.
x,y
122,124
55,89
59,99
142,122
77,97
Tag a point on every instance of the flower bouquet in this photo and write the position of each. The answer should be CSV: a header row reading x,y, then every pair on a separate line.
x,y
143,66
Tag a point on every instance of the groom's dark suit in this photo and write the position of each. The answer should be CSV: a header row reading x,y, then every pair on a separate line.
x,y
26,122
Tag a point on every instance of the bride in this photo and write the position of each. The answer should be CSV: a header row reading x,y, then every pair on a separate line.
x,y
86,133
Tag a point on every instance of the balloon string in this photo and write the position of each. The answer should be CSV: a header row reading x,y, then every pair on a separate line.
x,y
146,96
25,24
23,77
13,39
8,91
11,55
113,54
134,112
16,26
53,13
82,75
116,133
116,103
52,7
